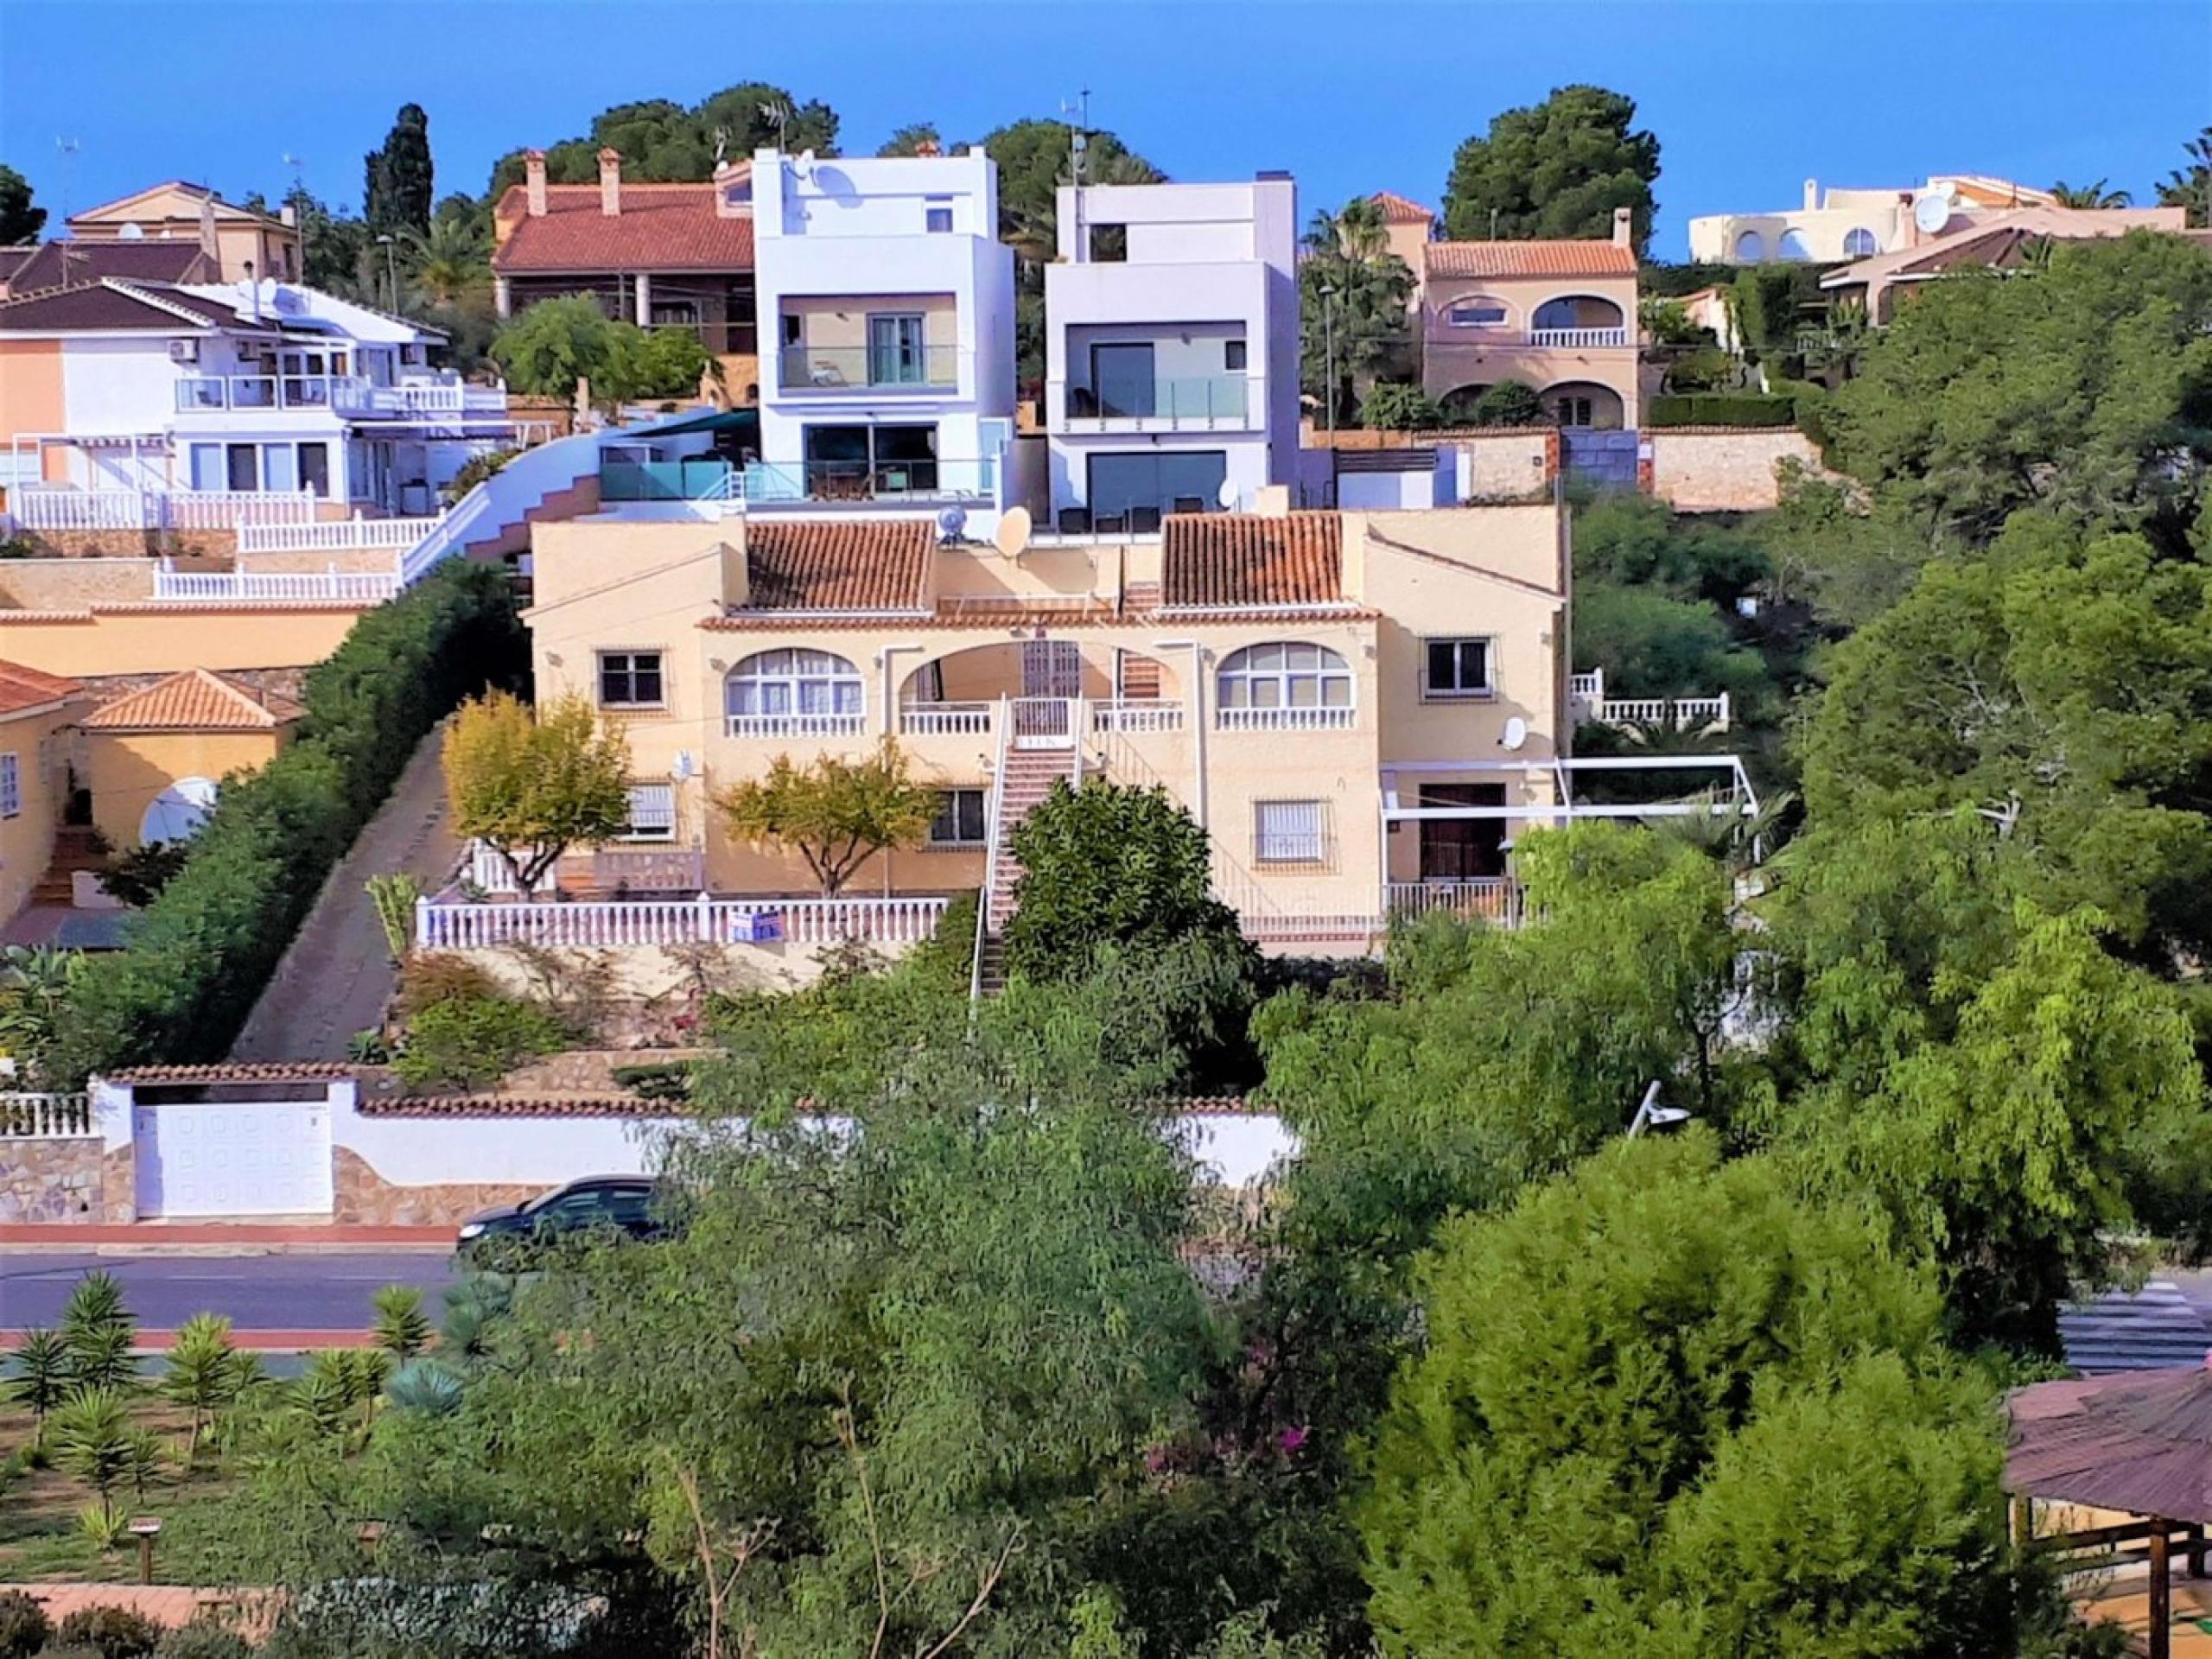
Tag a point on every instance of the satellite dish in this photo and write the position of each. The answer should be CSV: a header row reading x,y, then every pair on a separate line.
x,y
1932,214
683,766
1516,733
1227,495
1012,536
131,232
1944,187
179,811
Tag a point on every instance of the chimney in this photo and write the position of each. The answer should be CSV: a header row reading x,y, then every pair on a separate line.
x,y
610,182
533,173
731,200
252,292
288,214
1812,196
1908,226
928,147
207,242
1624,227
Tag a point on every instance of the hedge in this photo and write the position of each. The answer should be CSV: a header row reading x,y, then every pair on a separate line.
x,y
196,960
1719,409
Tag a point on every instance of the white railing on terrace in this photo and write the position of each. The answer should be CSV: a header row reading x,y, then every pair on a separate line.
x,y
347,394
1587,688
366,587
1496,899
703,920
944,719
51,1118
795,725
1283,720
1686,714
336,536
1137,716
1283,913
49,508
1578,337
506,498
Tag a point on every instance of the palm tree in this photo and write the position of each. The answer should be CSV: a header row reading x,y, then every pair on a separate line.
x,y
1355,293
446,264
2089,195
2191,186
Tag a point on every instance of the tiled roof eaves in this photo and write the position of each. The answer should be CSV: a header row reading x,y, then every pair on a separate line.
x,y
254,606
516,1106
236,1071
1266,614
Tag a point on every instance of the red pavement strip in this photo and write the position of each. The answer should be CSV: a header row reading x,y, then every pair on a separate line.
x,y
158,1236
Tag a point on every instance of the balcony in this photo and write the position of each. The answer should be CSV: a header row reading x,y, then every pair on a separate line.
x,y
898,482
795,725
1578,339
832,369
343,394
699,478
1284,720
1196,402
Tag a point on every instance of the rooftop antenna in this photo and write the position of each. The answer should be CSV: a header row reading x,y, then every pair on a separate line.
x,y
1078,150
722,144
69,148
299,203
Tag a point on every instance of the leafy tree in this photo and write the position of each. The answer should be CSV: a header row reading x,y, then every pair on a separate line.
x,y
138,877
530,786
335,248
1652,645
1503,403
1108,864
915,138
2189,188
397,190
1353,296
662,140
1034,159
20,221
1558,168
836,814
1647,1378
1396,408
35,983
2089,195
2085,387
550,346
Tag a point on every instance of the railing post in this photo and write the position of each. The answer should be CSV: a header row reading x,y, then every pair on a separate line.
x,y
422,924
702,919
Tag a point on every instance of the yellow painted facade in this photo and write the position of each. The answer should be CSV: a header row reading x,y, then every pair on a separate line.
x,y
126,771
150,638
33,740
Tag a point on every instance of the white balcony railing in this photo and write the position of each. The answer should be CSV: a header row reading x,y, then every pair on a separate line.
x,y
1587,688
1136,717
50,509
1284,720
344,393
795,725
945,719
47,1117
1496,899
644,922
1578,338
359,587
1685,713
335,536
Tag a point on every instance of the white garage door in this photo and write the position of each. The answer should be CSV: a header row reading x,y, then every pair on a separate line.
x,y
255,1158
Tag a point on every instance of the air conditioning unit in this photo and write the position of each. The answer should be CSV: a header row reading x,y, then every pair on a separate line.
x,y
184,351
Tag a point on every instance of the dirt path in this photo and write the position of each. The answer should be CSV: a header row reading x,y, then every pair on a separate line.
x,y
337,976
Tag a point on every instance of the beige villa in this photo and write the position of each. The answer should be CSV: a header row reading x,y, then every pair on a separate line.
x,y
1354,705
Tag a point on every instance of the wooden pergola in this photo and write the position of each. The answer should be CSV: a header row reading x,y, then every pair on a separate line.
x,y
2136,1442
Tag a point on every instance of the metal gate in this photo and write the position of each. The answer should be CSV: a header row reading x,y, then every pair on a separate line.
x,y
233,1158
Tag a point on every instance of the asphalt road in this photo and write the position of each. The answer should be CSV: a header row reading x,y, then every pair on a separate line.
x,y
265,1292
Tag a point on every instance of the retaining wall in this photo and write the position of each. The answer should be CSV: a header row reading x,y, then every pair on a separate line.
x,y
1723,468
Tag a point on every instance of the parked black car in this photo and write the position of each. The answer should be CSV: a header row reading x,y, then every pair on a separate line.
x,y
628,1206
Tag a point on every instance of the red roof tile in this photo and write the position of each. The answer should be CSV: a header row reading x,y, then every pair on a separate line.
x,y
109,303
838,564
72,263
1556,259
1402,210
1248,559
520,1106
238,1071
194,701
22,690
661,227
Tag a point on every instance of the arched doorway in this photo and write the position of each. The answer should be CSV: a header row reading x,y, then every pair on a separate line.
x,y
1584,405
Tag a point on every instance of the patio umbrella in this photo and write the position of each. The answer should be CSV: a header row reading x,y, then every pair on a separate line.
x,y
2140,1441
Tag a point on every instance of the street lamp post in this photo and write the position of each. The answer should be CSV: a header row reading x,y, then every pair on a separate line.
x,y
391,272
1329,354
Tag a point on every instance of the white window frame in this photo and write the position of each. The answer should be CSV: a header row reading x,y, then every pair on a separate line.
x,y
1453,318
1300,834
1860,243
1431,692
631,654
652,813
1253,693
949,810
794,692
12,786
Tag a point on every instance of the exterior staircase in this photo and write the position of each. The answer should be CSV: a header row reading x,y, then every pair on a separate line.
x,y
75,848
1026,776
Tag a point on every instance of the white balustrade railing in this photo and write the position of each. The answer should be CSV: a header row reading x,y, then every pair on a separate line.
x,y
1137,716
944,719
47,1117
1587,688
1578,337
795,725
506,498
1702,711
362,586
48,508
1282,912
1686,714
1496,899
336,536
1284,720
642,922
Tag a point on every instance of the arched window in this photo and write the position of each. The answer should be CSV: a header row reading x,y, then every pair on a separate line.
x,y
1750,248
1795,246
1478,311
1284,685
1570,320
1860,243
794,694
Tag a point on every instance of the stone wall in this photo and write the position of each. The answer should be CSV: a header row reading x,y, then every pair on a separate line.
x,y
221,545
365,1198
71,584
1723,468
262,682
377,561
52,1179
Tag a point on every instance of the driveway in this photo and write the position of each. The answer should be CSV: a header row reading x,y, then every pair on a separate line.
x,y
337,977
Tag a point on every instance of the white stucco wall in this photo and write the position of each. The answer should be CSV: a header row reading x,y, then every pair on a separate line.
x,y
117,386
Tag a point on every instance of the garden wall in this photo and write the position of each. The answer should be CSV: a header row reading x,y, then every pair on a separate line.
x,y
50,1180
1723,468
73,584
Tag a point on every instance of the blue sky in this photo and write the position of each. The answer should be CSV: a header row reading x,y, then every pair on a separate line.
x,y
1748,100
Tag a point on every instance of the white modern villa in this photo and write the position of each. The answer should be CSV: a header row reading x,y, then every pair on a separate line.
x,y
1171,350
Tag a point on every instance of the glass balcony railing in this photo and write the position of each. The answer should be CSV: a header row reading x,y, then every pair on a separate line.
x,y
704,479
1194,400
879,480
834,368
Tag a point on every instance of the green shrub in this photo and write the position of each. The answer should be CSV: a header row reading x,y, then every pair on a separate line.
x,y
1509,403
138,876
472,1041
204,1639
1720,409
1394,408
111,1632
24,1627
197,957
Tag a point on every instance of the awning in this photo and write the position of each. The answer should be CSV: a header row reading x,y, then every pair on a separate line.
x,y
712,420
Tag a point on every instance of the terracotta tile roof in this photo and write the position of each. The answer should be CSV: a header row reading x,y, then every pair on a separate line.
x,y
661,227
1248,559
22,690
1588,258
238,1071
1402,210
824,565
519,1106
108,303
194,701
45,265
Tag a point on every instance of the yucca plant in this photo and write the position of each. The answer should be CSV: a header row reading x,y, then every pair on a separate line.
x,y
324,1392
473,1309
366,1369
203,1374
103,1524
395,897
91,1440
148,1459
101,1358
402,1329
426,1386
41,1381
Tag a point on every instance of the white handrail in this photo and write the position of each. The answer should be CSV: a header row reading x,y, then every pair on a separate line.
x,y
366,587
47,1117
630,923
336,534
991,833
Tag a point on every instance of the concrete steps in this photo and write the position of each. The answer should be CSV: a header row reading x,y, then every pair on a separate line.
x,y
1028,779
75,848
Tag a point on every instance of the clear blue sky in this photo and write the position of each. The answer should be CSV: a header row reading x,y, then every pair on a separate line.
x,y
1748,100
